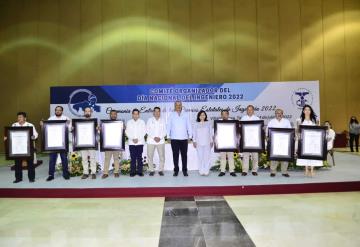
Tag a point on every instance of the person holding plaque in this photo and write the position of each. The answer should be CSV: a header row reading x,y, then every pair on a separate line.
x,y
203,142
279,122
179,131
116,155
88,155
308,117
156,132
63,155
250,116
21,122
135,131
229,155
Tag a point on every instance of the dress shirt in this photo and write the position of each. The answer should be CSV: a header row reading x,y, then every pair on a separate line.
x,y
136,130
26,124
179,127
155,128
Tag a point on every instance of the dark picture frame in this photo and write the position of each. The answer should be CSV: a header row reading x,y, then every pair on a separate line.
x,y
260,135
47,134
108,125
84,134
226,136
274,143
23,138
317,139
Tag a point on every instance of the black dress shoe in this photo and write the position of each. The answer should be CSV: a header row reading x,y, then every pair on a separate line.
x,y
272,174
221,174
141,174
233,174
132,174
175,174
161,173
32,180
286,175
84,176
185,174
50,178
254,173
243,173
151,173
17,181
66,177
93,176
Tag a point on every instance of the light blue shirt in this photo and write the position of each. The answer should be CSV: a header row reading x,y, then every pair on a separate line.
x,y
178,126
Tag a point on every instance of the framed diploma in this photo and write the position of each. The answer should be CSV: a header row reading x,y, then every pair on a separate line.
x,y
18,144
55,136
252,136
112,135
84,134
226,136
312,142
281,144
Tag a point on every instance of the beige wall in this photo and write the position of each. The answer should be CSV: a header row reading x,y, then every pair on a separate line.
x,y
91,42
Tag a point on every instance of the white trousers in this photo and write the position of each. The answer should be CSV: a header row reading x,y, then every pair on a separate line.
x,y
203,153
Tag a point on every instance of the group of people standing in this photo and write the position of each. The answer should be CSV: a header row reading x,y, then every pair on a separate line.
x,y
177,130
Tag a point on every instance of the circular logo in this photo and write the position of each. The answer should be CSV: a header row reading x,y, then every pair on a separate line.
x,y
301,97
81,99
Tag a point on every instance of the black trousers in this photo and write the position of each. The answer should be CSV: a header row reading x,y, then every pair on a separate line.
x,y
179,146
136,157
18,169
353,138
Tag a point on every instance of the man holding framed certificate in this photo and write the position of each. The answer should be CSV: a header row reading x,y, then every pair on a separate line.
x,y
19,144
55,137
112,141
250,138
281,143
85,140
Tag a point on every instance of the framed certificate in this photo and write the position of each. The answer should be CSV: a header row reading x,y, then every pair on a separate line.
x,y
281,144
55,136
112,135
252,136
312,142
226,136
84,136
18,144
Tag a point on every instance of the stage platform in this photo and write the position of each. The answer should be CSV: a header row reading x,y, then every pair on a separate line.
x,y
345,176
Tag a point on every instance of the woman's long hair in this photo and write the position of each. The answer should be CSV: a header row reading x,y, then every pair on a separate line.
x,y
353,120
312,114
198,116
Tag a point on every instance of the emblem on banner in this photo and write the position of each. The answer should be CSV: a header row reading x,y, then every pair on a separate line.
x,y
84,98
301,97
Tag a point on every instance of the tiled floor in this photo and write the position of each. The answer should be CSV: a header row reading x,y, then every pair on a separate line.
x,y
329,219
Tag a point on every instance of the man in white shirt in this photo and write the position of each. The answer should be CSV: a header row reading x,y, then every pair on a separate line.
x,y
63,155
156,132
135,131
114,154
250,116
229,155
21,122
88,154
179,131
278,122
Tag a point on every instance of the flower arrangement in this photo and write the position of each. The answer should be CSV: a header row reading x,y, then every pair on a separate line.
x,y
75,165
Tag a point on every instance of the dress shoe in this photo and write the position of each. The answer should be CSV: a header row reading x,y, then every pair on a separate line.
x,y
141,174
175,174
254,173
17,181
66,177
93,176
104,176
161,173
221,174
244,174
185,174
151,173
132,174
272,174
116,175
84,176
286,175
32,180
233,174
50,178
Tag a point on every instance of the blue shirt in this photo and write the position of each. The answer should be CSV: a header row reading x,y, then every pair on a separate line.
x,y
178,126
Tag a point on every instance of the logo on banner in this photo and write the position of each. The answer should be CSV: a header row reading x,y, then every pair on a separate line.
x,y
81,99
301,97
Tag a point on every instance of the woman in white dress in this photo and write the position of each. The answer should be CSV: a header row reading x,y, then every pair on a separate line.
x,y
203,142
308,117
